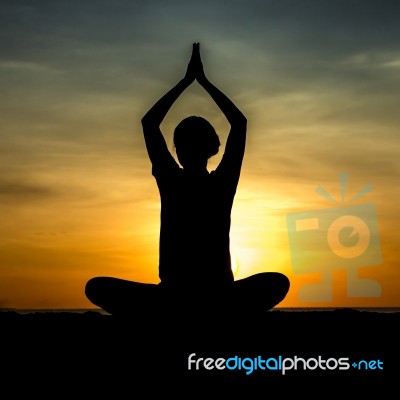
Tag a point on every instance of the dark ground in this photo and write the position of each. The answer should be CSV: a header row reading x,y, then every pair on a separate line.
x,y
91,353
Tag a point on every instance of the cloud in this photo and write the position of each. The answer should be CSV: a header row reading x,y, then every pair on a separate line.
x,y
19,191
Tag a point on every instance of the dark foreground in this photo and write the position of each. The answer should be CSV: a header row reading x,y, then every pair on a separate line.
x,y
91,353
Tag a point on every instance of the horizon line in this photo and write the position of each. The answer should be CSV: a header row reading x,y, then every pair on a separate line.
x,y
284,309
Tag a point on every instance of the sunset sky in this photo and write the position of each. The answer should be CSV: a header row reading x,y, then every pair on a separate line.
x,y
319,82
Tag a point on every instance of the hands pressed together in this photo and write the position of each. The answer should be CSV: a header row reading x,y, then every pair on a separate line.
x,y
195,68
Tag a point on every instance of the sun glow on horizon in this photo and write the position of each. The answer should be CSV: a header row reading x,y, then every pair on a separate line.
x,y
77,196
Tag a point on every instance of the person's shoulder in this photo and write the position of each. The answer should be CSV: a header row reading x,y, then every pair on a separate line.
x,y
170,170
223,170
219,176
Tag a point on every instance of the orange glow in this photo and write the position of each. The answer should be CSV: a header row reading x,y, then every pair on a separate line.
x,y
77,197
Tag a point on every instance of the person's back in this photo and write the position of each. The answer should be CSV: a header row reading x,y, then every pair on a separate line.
x,y
194,249
195,204
195,225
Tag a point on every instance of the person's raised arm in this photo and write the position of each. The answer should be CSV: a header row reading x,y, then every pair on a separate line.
x,y
155,142
235,145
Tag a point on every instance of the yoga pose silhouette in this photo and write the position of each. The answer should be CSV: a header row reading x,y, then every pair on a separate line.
x,y
194,245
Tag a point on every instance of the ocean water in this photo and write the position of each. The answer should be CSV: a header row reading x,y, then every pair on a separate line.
x,y
287,309
54,310
369,309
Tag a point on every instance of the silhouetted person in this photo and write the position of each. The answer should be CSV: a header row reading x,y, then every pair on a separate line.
x,y
194,251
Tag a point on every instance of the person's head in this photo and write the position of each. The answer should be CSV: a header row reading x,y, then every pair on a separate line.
x,y
195,141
